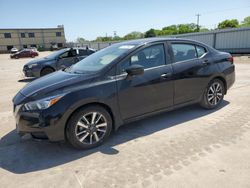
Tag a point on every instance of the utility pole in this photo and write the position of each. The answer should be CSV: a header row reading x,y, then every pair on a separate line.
x,y
198,22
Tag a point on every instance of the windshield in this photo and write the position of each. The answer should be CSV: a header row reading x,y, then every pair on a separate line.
x,y
100,59
55,54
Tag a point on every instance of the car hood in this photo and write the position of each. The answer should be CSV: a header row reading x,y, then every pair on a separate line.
x,y
39,61
55,83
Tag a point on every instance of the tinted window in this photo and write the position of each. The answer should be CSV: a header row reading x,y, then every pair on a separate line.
x,y
149,57
59,45
83,52
64,55
7,35
183,52
200,51
22,35
70,53
91,52
58,34
31,35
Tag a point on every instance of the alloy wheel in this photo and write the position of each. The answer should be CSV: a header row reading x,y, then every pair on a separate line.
x,y
215,93
91,128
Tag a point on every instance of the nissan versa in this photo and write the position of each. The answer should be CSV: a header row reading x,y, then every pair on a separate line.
x,y
119,84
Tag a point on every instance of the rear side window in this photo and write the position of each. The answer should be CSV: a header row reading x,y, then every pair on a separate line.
x,y
183,52
200,51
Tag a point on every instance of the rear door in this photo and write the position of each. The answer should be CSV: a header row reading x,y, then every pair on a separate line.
x,y
150,91
188,71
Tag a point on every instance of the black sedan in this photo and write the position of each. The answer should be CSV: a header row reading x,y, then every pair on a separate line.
x,y
119,84
56,61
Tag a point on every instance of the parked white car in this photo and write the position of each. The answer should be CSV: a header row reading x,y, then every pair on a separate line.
x,y
13,50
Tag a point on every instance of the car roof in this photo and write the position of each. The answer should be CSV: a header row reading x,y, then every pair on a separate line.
x,y
80,48
138,42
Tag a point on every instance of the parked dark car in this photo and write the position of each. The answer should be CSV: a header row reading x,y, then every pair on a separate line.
x,y
119,84
56,61
24,53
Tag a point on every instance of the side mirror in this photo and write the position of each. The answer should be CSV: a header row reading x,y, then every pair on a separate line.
x,y
135,70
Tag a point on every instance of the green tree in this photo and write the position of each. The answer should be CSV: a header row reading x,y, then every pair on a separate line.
x,y
204,29
187,28
170,30
228,24
246,22
150,33
103,39
133,35
80,40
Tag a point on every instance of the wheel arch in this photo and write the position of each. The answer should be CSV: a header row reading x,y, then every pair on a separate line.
x,y
103,105
47,66
221,78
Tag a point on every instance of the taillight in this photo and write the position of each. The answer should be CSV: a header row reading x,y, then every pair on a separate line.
x,y
231,59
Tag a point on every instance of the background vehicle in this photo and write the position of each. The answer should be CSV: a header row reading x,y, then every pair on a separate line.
x,y
56,61
13,50
24,53
122,83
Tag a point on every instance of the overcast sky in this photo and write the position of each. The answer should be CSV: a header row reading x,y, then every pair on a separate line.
x,y
92,18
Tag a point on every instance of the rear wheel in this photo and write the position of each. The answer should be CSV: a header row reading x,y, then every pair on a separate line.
x,y
213,94
46,71
89,127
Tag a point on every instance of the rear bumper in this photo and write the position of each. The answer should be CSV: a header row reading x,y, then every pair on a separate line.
x,y
230,77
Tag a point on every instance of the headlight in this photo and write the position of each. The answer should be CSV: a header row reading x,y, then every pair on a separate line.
x,y
42,103
32,65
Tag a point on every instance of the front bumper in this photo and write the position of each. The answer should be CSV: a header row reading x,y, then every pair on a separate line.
x,y
31,72
38,122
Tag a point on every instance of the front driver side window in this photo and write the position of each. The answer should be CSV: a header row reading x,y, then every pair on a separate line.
x,y
149,57
64,55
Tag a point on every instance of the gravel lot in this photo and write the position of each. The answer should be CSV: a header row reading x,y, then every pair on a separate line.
x,y
189,147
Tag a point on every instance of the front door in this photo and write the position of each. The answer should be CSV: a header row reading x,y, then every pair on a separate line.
x,y
150,91
66,59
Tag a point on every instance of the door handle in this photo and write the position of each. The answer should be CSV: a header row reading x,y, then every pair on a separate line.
x,y
166,75
206,62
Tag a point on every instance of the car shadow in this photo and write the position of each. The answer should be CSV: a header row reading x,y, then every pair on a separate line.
x,y
27,80
27,155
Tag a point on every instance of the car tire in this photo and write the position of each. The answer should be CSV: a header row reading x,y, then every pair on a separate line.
x,y
89,127
16,57
32,56
213,94
46,71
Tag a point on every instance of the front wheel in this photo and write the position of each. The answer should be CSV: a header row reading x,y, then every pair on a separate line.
x,y
46,71
213,94
89,127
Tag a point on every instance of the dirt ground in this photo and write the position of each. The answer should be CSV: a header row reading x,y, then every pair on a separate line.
x,y
189,147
